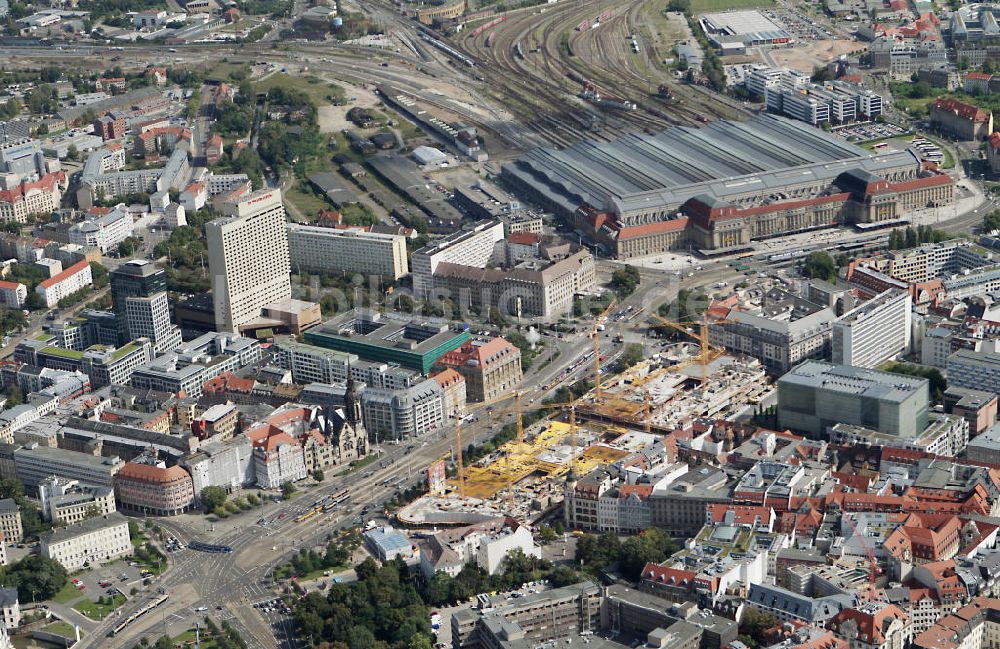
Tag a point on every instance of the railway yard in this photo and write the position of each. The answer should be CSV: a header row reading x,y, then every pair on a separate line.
x,y
543,60
524,80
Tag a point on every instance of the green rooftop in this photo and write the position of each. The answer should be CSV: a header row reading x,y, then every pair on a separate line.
x,y
124,350
62,353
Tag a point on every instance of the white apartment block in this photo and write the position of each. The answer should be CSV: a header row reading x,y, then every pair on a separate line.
x,y
792,93
224,183
248,257
935,348
328,250
71,280
10,607
93,541
103,232
805,107
194,197
874,332
96,184
110,158
313,364
227,464
13,294
70,502
493,550
467,248
931,261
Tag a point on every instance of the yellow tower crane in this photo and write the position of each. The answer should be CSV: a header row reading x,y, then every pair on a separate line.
x,y
646,411
458,457
706,353
594,335
519,411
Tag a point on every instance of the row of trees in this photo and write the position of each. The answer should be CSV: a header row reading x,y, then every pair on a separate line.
x,y
443,589
597,553
226,637
910,237
937,383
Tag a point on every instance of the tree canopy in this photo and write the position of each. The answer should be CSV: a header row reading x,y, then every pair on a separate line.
x,y
35,577
625,280
820,265
212,497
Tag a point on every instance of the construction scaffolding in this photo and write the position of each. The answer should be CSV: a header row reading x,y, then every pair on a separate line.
x,y
547,455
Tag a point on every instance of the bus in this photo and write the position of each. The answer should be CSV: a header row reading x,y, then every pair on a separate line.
x,y
880,145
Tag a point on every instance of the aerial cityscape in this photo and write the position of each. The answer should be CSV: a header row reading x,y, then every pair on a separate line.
x,y
499,324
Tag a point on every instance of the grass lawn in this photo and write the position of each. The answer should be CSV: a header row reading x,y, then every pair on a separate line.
x,y
903,141
304,199
96,611
224,71
704,6
64,629
188,637
405,126
321,92
363,462
243,24
318,573
68,594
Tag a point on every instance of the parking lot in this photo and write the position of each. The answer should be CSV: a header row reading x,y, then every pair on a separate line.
x,y
115,578
798,26
870,131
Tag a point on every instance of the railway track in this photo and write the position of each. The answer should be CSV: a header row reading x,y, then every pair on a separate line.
x,y
528,53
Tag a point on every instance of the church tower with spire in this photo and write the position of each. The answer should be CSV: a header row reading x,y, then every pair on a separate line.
x,y
352,414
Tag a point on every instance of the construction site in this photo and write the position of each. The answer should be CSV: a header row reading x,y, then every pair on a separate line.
x,y
520,478
664,398
622,415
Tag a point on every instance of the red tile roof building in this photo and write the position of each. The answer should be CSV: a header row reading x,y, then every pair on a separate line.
x,y
875,625
214,149
39,197
108,84
154,489
974,626
710,223
491,368
964,121
71,280
151,140
453,385
158,75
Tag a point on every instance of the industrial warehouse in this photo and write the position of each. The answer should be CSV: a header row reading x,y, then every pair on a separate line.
x,y
719,187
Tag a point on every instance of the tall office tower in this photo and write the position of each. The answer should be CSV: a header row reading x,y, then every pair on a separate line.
x,y
149,317
248,258
139,301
